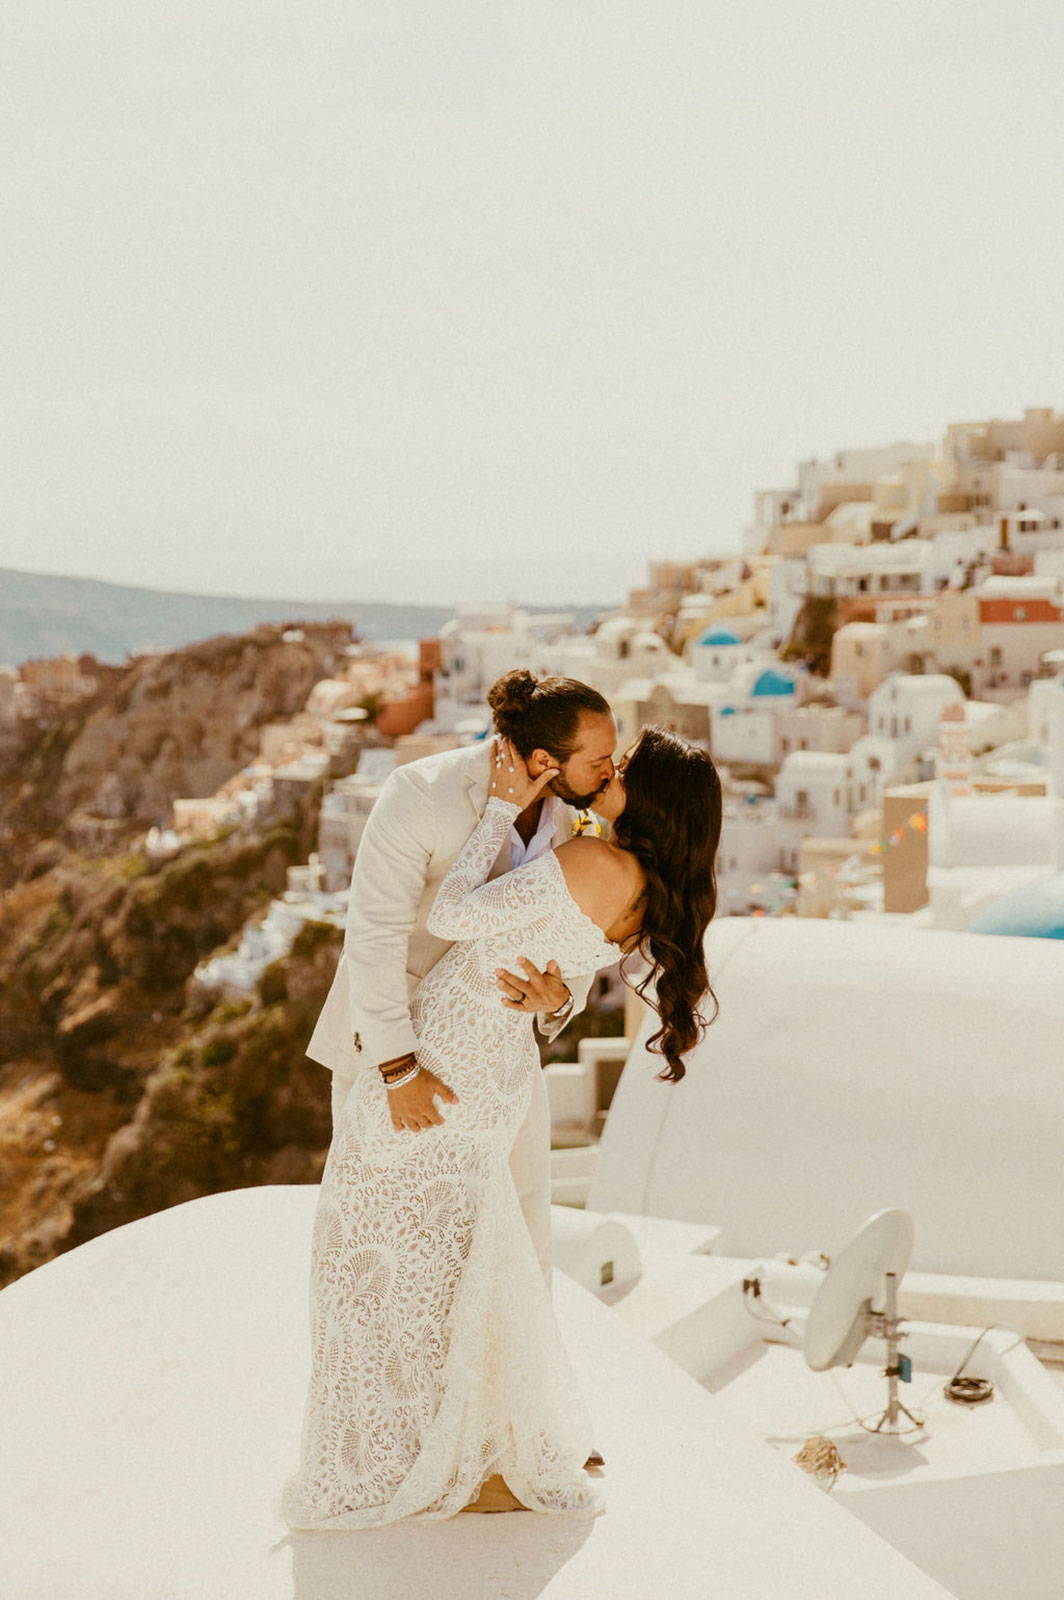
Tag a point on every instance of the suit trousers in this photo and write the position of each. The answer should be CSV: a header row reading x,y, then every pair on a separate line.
x,y
529,1162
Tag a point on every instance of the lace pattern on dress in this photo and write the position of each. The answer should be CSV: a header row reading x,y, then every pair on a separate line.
x,y
436,1358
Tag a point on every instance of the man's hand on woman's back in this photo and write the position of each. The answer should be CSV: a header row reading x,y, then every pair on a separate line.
x,y
532,990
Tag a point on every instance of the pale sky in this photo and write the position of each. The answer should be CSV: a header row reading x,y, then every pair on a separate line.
x,y
489,299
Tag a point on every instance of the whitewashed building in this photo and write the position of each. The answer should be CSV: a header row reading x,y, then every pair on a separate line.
x,y
812,789
907,707
714,655
874,762
862,654
787,584
621,648
757,855
984,847
1020,618
910,566
674,700
1045,704
343,815
478,645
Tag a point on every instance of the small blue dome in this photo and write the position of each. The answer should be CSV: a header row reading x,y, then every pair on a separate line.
x,y
719,636
1034,911
771,682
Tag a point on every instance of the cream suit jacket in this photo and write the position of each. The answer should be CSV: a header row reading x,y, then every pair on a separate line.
x,y
423,816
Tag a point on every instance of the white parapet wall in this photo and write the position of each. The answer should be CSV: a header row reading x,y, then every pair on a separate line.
x,y
571,1172
571,1097
575,1089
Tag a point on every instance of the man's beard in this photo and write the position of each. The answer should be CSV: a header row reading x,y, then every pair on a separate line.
x,y
581,802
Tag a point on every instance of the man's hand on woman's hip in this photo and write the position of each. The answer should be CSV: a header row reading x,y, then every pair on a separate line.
x,y
533,990
413,1104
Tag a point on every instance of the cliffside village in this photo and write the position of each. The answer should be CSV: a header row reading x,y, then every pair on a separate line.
x,y
878,673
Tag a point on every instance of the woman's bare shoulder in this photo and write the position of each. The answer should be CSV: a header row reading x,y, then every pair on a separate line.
x,y
587,854
598,874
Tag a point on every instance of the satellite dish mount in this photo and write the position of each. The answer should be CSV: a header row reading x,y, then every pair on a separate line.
x,y
868,1268
884,1325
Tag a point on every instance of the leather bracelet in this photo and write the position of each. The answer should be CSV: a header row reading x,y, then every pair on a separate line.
x,y
397,1066
393,1083
393,1077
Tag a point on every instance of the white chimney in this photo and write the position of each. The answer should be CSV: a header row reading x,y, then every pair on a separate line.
x,y
953,759
1055,731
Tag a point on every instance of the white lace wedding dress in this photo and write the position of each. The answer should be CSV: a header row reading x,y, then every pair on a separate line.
x,y
436,1356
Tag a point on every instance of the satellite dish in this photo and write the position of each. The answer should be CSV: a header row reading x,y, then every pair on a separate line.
x,y
857,1299
845,1312
851,1301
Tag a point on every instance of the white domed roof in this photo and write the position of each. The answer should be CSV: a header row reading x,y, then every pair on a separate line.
x,y
616,628
843,1053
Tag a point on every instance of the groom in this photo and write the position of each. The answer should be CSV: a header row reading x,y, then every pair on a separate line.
x,y
425,813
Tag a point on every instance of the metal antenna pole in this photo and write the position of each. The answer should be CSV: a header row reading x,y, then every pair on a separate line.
x,y
890,1333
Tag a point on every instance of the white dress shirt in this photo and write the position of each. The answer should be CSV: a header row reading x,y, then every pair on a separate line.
x,y
540,842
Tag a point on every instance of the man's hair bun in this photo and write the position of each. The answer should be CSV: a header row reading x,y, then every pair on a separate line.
x,y
541,713
511,695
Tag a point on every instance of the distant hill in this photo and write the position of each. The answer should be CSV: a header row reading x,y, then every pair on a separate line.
x,y
43,615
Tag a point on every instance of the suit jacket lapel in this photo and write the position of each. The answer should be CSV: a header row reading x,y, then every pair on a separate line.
x,y
476,788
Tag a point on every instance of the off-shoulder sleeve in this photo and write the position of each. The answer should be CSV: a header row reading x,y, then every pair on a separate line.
x,y
466,907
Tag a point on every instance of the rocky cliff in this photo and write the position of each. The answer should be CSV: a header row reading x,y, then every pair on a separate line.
x,y
167,725
119,1093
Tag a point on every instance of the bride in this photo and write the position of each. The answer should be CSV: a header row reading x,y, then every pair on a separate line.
x,y
437,1359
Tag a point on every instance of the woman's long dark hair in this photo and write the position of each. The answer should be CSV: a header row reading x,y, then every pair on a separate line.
x,y
671,823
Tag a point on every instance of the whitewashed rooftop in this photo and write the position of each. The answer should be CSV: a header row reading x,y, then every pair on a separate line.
x,y
152,1395
857,1065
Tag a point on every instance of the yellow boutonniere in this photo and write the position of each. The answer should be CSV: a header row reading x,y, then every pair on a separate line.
x,y
587,822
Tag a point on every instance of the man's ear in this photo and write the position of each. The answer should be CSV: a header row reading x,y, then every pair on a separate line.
x,y
539,761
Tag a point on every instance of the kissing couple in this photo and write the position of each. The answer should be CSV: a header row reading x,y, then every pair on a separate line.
x,y
480,910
